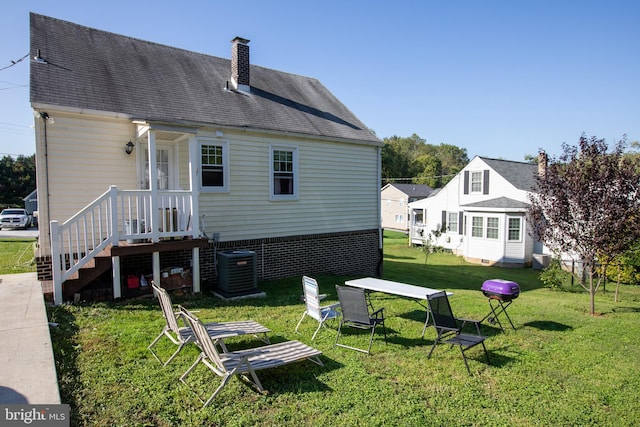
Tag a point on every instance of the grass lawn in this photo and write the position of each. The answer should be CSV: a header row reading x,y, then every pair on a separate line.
x,y
16,256
561,366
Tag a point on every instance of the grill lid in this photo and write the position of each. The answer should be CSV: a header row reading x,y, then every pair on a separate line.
x,y
501,288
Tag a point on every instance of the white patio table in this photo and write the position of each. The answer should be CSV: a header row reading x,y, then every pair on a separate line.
x,y
417,293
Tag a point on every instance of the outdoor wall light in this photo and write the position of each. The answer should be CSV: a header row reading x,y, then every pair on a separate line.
x,y
45,116
128,148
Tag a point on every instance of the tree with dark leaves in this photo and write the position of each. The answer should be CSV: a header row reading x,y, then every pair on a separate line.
x,y
587,205
17,179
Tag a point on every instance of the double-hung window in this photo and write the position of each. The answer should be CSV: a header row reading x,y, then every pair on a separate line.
x,y
492,227
283,184
476,182
477,226
514,229
452,224
214,165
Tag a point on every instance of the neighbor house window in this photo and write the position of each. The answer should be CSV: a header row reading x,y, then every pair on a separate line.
x,y
214,166
492,227
453,222
399,219
477,226
514,229
284,173
476,182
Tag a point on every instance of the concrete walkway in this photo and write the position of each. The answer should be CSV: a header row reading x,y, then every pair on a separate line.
x,y
27,367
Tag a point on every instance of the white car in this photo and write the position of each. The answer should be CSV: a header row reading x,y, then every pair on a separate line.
x,y
15,218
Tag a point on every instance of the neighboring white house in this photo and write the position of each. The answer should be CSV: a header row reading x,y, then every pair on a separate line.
x,y
394,203
194,154
481,214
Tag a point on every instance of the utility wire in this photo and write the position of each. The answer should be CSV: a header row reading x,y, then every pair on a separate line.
x,y
14,62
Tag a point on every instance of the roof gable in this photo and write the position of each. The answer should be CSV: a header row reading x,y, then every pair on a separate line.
x,y
90,69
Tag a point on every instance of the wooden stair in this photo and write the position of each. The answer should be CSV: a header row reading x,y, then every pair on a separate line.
x,y
102,263
87,274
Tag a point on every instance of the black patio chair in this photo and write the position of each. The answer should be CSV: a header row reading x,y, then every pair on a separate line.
x,y
355,314
449,328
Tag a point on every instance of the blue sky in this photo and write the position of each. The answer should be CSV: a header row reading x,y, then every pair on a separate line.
x,y
501,78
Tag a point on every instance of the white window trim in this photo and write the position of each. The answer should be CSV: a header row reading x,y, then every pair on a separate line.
x,y
225,164
496,228
449,222
481,227
471,190
296,173
519,239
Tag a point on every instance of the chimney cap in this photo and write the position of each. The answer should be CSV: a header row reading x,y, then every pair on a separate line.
x,y
238,39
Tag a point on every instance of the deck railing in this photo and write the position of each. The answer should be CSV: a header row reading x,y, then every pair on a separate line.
x,y
135,216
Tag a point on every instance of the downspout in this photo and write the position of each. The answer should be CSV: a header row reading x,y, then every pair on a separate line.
x,y
45,117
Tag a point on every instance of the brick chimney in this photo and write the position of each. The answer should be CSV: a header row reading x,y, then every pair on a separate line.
x,y
543,161
240,64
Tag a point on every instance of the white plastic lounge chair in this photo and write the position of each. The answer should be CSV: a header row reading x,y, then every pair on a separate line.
x,y
217,331
243,362
313,309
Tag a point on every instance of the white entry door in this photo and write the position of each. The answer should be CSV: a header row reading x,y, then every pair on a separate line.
x,y
164,164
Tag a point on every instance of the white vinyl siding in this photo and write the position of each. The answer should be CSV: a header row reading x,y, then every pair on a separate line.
x,y
337,190
84,158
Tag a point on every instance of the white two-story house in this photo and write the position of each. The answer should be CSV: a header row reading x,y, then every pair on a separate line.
x,y
481,214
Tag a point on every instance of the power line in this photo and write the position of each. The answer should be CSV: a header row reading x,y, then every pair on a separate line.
x,y
14,62
419,177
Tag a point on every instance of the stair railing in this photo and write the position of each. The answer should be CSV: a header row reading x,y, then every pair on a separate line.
x,y
117,215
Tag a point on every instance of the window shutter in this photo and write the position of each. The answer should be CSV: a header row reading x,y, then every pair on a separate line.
x,y
485,182
466,182
444,221
460,222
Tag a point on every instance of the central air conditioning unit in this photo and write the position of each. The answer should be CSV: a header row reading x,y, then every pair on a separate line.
x,y
237,273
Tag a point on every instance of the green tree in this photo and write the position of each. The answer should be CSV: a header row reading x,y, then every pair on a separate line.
x,y
412,158
453,159
17,179
430,170
587,204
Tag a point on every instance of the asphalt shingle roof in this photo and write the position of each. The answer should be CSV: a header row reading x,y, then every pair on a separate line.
x,y
498,203
520,174
90,69
414,190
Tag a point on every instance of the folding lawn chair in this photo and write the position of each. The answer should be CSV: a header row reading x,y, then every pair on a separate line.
x,y
217,331
355,313
449,328
242,362
313,309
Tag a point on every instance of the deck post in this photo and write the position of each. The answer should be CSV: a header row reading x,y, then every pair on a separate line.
x,y
195,269
115,271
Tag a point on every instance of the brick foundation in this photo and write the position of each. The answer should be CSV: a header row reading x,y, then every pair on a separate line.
x,y
353,253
